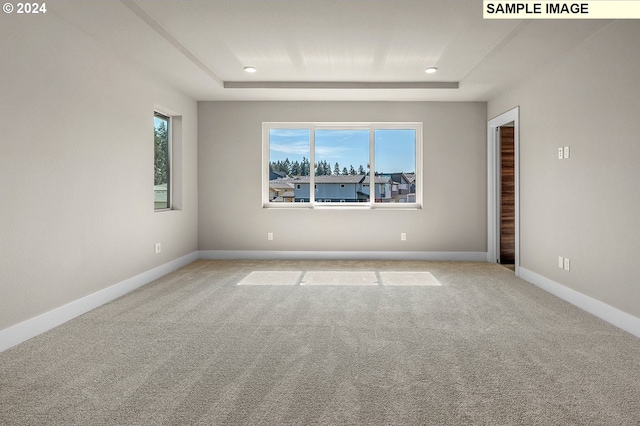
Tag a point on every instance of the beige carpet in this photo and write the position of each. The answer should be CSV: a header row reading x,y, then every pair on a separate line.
x,y
476,346
408,278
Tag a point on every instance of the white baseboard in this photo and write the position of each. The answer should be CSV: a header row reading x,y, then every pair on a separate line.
x,y
25,330
343,255
608,313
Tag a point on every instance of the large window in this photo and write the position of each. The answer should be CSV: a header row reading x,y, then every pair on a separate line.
x,y
342,164
162,162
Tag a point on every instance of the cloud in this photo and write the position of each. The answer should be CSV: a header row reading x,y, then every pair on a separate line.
x,y
344,146
331,151
292,142
292,148
288,133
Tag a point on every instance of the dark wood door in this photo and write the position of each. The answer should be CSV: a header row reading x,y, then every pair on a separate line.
x,y
507,197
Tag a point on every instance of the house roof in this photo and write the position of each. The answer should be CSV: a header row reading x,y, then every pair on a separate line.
x,y
411,177
281,174
399,177
278,184
378,179
353,179
334,179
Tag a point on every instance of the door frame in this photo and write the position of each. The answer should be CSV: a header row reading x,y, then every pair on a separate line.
x,y
493,184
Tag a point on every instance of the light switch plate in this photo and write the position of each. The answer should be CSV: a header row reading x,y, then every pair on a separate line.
x,y
560,262
566,264
566,152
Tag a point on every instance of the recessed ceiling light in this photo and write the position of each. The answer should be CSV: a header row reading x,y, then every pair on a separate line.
x,y
250,69
431,70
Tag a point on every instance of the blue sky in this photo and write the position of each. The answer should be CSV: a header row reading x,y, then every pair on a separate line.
x,y
395,148
158,121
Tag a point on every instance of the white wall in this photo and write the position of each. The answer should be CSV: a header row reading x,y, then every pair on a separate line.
x,y
587,207
231,216
76,168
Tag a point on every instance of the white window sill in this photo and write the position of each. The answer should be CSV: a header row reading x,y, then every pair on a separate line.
x,y
344,206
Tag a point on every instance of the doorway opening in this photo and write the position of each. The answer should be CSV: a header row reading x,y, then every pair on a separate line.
x,y
506,195
503,190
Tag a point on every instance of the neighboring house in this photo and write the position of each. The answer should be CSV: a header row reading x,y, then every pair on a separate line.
x,y
382,188
412,181
403,185
276,175
332,189
342,189
281,190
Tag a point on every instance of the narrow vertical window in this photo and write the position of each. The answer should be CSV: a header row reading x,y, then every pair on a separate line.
x,y
162,162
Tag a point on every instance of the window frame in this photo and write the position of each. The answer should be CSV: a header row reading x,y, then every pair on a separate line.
x,y
371,127
168,118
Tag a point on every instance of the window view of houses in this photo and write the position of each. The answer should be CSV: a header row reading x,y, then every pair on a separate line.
x,y
388,188
341,169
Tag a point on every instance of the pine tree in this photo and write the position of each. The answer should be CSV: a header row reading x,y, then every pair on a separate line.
x,y
336,169
161,146
305,169
295,169
323,168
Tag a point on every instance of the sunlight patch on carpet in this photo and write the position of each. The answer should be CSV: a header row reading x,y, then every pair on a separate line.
x,y
271,278
408,278
339,278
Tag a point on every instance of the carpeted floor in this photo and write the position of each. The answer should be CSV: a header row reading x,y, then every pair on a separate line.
x,y
475,346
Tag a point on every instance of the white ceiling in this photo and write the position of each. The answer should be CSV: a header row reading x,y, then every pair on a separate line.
x,y
198,45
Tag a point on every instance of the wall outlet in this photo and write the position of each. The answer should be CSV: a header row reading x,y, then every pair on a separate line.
x,y
270,236
158,248
566,264
560,153
403,236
